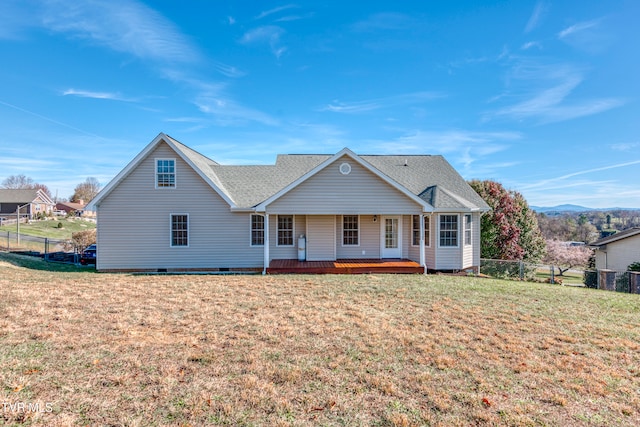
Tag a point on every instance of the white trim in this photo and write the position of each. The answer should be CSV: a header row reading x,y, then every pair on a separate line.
x,y
175,172
345,152
251,230
464,229
457,245
293,231
342,231
425,243
266,245
423,261
171,245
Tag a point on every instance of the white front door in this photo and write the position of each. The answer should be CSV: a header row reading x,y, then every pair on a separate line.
x,y
391,236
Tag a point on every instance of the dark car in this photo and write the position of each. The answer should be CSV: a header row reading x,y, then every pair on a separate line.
x,y
88,255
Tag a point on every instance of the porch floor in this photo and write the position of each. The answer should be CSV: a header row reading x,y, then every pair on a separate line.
x,y
344,266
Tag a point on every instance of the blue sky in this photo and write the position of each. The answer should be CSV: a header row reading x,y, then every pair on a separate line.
x,y
541,96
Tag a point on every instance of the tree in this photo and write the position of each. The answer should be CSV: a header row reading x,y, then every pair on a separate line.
x,y
565,256
18,182
22,182
86,191
510,230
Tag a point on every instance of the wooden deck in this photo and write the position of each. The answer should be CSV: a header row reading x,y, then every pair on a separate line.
x,y
345,266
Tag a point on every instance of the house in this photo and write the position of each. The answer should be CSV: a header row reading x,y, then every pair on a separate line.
x,y
73,208
31,202
618,251
173,209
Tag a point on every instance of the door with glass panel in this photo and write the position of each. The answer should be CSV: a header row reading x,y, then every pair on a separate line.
x,y
391,236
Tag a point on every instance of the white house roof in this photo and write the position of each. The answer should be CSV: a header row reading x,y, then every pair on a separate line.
x,y
430,180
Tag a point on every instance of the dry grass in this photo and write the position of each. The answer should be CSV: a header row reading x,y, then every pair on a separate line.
x,y
313,350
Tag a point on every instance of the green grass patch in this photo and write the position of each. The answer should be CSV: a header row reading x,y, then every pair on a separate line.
x,y
51,229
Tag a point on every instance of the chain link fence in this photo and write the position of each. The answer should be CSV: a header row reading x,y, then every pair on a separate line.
x,y
520,270
49,249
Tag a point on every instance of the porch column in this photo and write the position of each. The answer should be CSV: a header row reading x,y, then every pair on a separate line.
x,y
422,242
266,243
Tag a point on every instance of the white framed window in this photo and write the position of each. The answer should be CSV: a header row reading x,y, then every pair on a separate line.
x,y
350,230
165,173
416,231
179,230
257,230
448,230
285,230
467,229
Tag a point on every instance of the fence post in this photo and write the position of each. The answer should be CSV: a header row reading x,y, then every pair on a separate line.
x,y
553,272
634,282
607,280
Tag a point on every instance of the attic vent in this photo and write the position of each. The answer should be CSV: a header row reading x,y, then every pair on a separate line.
x,y
345,168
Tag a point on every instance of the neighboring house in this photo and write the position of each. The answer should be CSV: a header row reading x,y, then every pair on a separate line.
x,y
30,201
72,208
172,208
618,251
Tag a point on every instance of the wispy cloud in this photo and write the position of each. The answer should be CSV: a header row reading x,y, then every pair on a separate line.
x,y
380,103
589,36
125,26
578,28
49,119
530,45
538,13
388,21
275,10
227,112
557,181
547,89
96,95
461,146
625,146
269,35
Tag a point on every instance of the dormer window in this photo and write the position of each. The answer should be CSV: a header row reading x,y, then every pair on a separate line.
x,y
165,173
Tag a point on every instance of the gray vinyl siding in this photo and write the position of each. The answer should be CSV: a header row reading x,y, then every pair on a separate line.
x,y
134,228
321,241
285,252
331,192
448,258
429,250
369,246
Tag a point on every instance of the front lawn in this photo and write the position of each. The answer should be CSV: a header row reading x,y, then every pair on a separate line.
x,y
389,350
57,228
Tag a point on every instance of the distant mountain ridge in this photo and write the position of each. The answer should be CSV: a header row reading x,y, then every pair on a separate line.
x,y
576,208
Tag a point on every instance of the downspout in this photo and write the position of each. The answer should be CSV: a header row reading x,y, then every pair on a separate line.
x,y
266,243
423,262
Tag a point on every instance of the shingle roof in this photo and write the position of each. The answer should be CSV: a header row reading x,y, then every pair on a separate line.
x,y
18,195
615,237
430,178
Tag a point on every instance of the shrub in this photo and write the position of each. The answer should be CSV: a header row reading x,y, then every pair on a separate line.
x,y
60,225
590,279
635,266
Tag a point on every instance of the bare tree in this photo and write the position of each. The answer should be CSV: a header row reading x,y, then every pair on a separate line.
x,y
22,182
86,191
18,182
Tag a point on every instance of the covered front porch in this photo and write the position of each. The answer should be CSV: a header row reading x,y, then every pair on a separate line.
x,y
345,266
